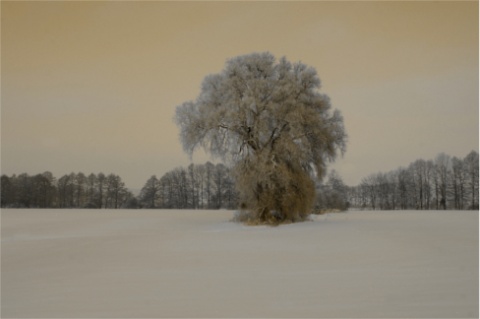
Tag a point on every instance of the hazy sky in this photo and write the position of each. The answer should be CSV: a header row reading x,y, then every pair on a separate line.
x,y
93,86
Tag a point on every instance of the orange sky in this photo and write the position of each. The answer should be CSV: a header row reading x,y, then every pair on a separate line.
x,y
93,86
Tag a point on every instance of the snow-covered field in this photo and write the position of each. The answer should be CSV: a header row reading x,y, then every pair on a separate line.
x,y
171,263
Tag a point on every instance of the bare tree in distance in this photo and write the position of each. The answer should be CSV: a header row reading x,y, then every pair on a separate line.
x,y
442,165
471,166
150,192
269,120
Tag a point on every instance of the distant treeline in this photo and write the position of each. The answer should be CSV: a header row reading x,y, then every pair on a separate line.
x,y
205,186
69,191
443,183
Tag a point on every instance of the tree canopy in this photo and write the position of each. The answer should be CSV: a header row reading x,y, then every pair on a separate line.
x,y
270,121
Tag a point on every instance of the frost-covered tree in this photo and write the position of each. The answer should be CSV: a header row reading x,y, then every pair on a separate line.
x,y
268,119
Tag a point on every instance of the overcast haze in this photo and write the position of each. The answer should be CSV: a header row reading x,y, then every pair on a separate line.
x,y
92,86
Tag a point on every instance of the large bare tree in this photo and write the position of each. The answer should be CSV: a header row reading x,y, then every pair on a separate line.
x,y
268,119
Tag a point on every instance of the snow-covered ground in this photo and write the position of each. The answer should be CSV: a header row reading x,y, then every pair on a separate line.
x,y
171,263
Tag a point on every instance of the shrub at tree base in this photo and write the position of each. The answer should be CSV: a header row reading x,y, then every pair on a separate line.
x,y
274,193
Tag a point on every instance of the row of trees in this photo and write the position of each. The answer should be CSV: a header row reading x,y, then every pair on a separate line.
x,y
443,183
205,186
69,191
